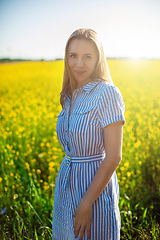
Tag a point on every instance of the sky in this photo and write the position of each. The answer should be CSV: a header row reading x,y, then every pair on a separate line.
x,y
39,29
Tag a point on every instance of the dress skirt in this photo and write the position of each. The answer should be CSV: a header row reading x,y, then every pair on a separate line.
x,y
74,177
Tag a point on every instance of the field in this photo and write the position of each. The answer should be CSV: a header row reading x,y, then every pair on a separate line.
x,y
30,154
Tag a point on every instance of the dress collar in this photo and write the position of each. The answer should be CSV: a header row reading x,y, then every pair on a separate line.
x,y
89,86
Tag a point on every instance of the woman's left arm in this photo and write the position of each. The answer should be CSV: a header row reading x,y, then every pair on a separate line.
x,y
113,138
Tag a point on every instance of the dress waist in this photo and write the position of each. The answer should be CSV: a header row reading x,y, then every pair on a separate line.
x,y
76,159
69,160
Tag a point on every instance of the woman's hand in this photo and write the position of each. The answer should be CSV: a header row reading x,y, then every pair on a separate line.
x,y
83,220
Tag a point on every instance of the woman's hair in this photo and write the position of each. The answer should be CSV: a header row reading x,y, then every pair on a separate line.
x,y
101,71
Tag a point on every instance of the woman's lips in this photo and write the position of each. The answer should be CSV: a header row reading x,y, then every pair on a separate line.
x,y
79,72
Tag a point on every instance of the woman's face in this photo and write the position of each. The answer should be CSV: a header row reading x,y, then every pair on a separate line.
x,y
82,59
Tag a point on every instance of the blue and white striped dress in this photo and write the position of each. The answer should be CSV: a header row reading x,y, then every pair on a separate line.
x,y
94,106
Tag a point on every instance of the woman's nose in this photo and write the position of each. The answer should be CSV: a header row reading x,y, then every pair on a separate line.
x,y
80,62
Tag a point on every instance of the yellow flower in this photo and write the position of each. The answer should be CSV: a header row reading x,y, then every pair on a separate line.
x,y
51,164
30,150
46,187
52,184
11,163
122,168
38,171
21,129
1,179
137,144
47,144
54,149
128,174
8,146
126,164
27,165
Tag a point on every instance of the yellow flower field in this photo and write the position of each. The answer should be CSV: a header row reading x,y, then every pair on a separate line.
x,y
30,154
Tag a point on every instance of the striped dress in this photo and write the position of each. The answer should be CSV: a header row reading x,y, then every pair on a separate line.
x,y
80,133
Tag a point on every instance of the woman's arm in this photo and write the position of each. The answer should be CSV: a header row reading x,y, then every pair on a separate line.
x,y
113,137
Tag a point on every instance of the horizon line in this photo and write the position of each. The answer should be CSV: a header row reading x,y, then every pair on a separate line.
x,y
5,59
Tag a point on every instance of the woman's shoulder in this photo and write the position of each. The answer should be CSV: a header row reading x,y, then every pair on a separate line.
x,y
107,87
107,91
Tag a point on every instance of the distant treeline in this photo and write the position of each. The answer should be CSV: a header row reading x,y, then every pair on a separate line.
x,y
4,60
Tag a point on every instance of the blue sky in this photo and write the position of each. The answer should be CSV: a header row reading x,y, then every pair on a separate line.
x,y
40,28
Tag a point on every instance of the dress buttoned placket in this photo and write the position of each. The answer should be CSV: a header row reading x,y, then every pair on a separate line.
x,y
67,147
66,128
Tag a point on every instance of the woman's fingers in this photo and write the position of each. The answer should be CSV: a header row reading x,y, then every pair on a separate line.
x,y
81,232
88,230
76,230
82,221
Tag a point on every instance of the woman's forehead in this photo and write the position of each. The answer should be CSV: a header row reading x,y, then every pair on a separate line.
x,y
82,45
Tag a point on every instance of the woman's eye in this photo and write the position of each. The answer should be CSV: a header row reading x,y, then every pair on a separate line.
x,y
72,56
88,57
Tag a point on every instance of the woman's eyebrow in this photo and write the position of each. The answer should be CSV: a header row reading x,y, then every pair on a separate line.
x,y
72,52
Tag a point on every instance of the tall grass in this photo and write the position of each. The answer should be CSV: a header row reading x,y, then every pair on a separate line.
x,y
30,154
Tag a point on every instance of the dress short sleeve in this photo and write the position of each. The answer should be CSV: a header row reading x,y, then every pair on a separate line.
x,y
111,106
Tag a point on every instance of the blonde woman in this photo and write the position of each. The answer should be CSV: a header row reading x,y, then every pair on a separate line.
x,y
90,129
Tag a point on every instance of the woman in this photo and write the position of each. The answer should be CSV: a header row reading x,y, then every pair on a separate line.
x,y
90,129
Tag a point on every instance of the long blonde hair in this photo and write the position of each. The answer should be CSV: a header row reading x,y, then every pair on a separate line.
x,y
101,71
